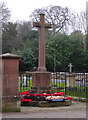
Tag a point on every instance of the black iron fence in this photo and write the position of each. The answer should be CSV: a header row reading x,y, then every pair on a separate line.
x,y
73,84
25,82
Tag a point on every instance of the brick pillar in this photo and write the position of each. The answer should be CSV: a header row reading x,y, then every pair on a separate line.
x,y
10,72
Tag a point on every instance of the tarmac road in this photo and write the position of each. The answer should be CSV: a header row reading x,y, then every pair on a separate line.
x,y
49,114
76,110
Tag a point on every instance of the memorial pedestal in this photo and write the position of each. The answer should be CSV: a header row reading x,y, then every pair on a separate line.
x,y
41,81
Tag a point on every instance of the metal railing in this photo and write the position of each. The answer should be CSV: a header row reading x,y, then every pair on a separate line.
x,y
73,84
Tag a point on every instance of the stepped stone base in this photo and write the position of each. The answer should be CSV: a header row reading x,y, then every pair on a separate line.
x,y
40,90
47,104
11,104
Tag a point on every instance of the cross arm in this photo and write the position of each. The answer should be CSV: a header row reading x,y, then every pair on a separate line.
x,y
36,24
48,25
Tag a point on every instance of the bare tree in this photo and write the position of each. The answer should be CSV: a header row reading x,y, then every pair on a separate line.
x,y
4,13
78,22
56,15
4,16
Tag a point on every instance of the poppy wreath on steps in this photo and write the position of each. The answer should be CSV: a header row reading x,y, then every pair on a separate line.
x,y
57,96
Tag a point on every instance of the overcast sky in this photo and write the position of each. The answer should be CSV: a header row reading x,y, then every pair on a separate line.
x,y
21,9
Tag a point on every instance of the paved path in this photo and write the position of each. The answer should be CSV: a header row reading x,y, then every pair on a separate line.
x,y
76,110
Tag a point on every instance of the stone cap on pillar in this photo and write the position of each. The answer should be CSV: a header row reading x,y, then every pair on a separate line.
x,y
9,56
70,74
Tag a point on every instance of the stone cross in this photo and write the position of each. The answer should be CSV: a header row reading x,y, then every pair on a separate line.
x,y
70,66
42,26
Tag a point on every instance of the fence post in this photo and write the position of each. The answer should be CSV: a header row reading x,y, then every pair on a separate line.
x,y
70,80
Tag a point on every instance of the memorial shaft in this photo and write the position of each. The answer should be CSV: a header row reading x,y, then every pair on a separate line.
x,y
41,66
42,26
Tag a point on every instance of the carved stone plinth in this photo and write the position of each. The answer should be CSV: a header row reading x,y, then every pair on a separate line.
x,y
41,79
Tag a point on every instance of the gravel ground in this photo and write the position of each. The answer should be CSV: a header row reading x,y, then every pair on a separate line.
x,y
76,110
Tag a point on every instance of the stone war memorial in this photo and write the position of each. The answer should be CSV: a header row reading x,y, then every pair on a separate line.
x,y
41,79
41,93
